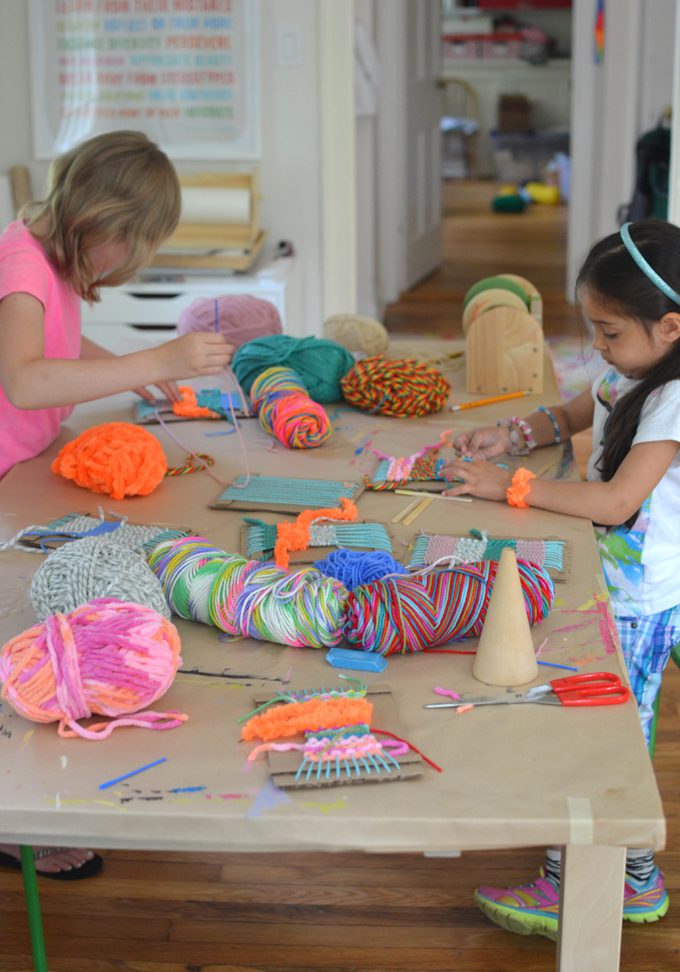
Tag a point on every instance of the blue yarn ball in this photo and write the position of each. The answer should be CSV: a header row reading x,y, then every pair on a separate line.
x,y
355,567
319,363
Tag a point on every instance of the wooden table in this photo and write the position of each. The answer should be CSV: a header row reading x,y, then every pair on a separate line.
x,y
514,776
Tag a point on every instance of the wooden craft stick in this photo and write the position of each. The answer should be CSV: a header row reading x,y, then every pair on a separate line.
x,y
402,513
420,508
416,492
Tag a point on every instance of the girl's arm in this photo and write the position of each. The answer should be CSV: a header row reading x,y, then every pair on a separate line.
x,y
32,381
609,503
90,349
494,440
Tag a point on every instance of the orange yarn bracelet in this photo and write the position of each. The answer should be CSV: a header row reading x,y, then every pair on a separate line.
x,y
521,484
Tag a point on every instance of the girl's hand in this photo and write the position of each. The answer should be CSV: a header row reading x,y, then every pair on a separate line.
x,y
483,443
193,355
483,479
168,390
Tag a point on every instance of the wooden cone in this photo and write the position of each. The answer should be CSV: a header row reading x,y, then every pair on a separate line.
x,y
505,655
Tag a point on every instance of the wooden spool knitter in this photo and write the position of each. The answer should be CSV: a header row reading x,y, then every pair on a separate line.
x,y
502,324
505,654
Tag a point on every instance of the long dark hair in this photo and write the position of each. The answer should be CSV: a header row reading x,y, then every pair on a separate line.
x,y
610,272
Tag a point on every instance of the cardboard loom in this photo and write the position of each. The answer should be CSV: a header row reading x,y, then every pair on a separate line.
x,y
421,558
265,550
145,414
281,494
284,766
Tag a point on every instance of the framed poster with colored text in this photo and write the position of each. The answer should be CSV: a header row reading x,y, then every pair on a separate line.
x,y
185,72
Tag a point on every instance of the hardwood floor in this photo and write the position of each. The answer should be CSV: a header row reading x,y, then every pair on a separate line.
x,y
348,912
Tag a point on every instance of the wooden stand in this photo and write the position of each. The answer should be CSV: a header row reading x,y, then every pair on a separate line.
x,y
215,245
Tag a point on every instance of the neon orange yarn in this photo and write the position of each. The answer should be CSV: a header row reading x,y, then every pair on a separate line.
x,y
117,458
188,407
297,717
517,493
295,536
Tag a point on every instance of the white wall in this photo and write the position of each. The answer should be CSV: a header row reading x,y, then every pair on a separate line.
x,y
291,162
612,104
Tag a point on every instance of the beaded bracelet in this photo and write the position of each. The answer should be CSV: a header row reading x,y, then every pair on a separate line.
x,y
517,492
555,423
519,427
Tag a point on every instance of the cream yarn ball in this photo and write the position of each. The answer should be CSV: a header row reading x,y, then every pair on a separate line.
x,y
94,567
357,333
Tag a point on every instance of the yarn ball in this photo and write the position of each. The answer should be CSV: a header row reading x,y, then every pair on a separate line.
x,y
240,317
398,387
357,333
246,597
407,614
508,204
356,567
320,364
285,410
116,458
106,657
91,568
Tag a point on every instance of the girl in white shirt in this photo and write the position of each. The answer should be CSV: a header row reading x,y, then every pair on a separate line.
x,y
629,290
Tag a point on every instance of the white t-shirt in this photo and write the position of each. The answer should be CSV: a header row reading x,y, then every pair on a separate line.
x,y
642,565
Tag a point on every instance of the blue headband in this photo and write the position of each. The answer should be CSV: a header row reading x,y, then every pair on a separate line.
x,y
650,273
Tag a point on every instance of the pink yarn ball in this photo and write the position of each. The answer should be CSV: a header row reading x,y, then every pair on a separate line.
x,y
107,657
241,317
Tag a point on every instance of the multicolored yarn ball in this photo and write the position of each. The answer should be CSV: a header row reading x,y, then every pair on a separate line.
x,y
299,607
356,567
94,567
106,657
414,613
239,317
399,387
117,458
286,411
319,364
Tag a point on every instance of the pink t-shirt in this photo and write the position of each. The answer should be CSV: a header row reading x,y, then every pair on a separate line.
x,y
26,268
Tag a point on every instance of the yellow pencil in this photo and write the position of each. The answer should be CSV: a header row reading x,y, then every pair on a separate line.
x,y
487,401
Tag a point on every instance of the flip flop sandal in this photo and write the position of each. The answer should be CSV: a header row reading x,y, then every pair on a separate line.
x,y
85,870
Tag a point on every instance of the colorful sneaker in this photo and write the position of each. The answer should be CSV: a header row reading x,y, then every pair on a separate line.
x,y
645,901
532,909
528,909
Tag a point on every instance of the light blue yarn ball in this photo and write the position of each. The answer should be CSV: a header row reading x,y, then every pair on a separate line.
x,y
319,363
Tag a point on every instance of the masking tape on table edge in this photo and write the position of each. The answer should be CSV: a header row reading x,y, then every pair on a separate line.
x,y
581,825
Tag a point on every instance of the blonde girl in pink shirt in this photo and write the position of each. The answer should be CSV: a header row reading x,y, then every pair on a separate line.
x,y
111,201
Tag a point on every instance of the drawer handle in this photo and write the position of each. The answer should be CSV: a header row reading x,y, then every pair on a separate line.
x,y
147,296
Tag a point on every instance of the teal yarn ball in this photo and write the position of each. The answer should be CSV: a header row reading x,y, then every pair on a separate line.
x,y
319,363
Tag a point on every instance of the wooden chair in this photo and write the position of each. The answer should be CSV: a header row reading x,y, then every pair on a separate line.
x,y
460,123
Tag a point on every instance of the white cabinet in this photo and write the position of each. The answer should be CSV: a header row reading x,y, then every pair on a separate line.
x,y
159,297
547,86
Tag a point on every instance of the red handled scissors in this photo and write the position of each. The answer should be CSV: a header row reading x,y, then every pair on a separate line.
x,y
590,688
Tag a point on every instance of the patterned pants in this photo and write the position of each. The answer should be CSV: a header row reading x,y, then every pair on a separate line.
x,y
646,643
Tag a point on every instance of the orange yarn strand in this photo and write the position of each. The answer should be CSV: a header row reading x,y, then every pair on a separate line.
x,y
188,407
295,536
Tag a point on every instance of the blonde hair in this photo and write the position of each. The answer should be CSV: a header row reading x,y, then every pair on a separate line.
x,y
115,187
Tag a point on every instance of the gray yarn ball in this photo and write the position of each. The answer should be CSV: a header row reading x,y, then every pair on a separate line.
x,y
94,567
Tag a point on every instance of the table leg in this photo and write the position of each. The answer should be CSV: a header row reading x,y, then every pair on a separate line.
x,y
33,909
591,904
